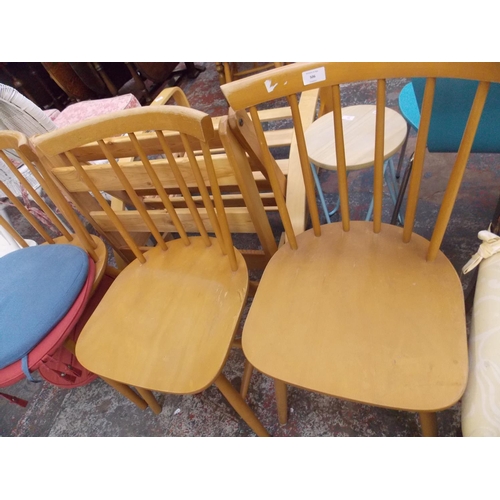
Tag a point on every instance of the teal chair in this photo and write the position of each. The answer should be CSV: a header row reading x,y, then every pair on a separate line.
x,y
448,121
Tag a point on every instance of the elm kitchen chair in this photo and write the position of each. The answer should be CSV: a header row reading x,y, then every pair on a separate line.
x,y
168,321
365,311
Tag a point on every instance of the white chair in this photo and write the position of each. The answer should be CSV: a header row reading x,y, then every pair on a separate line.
x,y
480,408
21,115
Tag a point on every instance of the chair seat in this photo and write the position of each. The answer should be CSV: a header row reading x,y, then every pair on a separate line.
x,y
38,286
372,344
159,325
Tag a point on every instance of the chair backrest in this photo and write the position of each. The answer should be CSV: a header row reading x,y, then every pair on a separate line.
x,y
40,217
288,81
20,114
170,186
452,103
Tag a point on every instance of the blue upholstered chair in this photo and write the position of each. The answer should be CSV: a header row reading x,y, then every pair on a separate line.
x,y
44,289
448,120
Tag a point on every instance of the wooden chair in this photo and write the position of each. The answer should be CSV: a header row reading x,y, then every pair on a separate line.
x,y
168,321
359,310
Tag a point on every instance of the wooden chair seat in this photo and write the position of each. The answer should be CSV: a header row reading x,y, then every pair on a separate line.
x,y
369,292
160,337
365,312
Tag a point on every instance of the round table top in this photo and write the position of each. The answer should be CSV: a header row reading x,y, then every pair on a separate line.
x,y
359,137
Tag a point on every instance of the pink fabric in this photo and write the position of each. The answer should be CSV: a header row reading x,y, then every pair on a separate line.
x,y
52,113
90,109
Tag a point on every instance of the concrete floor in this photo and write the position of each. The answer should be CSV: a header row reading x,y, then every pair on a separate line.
x,y
97,410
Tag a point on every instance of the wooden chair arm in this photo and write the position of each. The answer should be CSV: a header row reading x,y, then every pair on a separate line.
x,y
171,92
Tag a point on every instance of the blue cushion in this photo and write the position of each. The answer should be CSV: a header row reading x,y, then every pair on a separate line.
x,y
452,104
38,286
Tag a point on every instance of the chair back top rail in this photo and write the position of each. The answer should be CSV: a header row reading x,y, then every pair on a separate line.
x,y
288,81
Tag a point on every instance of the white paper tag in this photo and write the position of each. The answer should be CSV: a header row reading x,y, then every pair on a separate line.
x,y
313,76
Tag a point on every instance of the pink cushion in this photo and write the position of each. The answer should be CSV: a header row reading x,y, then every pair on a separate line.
x,y
90,109
52,113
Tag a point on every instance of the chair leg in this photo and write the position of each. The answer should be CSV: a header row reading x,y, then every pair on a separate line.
x,y
126,391
428,421
245,379
238,403
148,396
281,401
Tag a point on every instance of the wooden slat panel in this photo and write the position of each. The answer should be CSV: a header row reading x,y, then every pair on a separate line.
x,y
238,218
106,180
120,147
230,200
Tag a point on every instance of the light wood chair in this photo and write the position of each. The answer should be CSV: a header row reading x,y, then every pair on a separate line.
x,y
363,311
168,321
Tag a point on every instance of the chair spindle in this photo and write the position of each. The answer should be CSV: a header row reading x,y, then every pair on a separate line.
x,y
378,172
341,160
418,161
